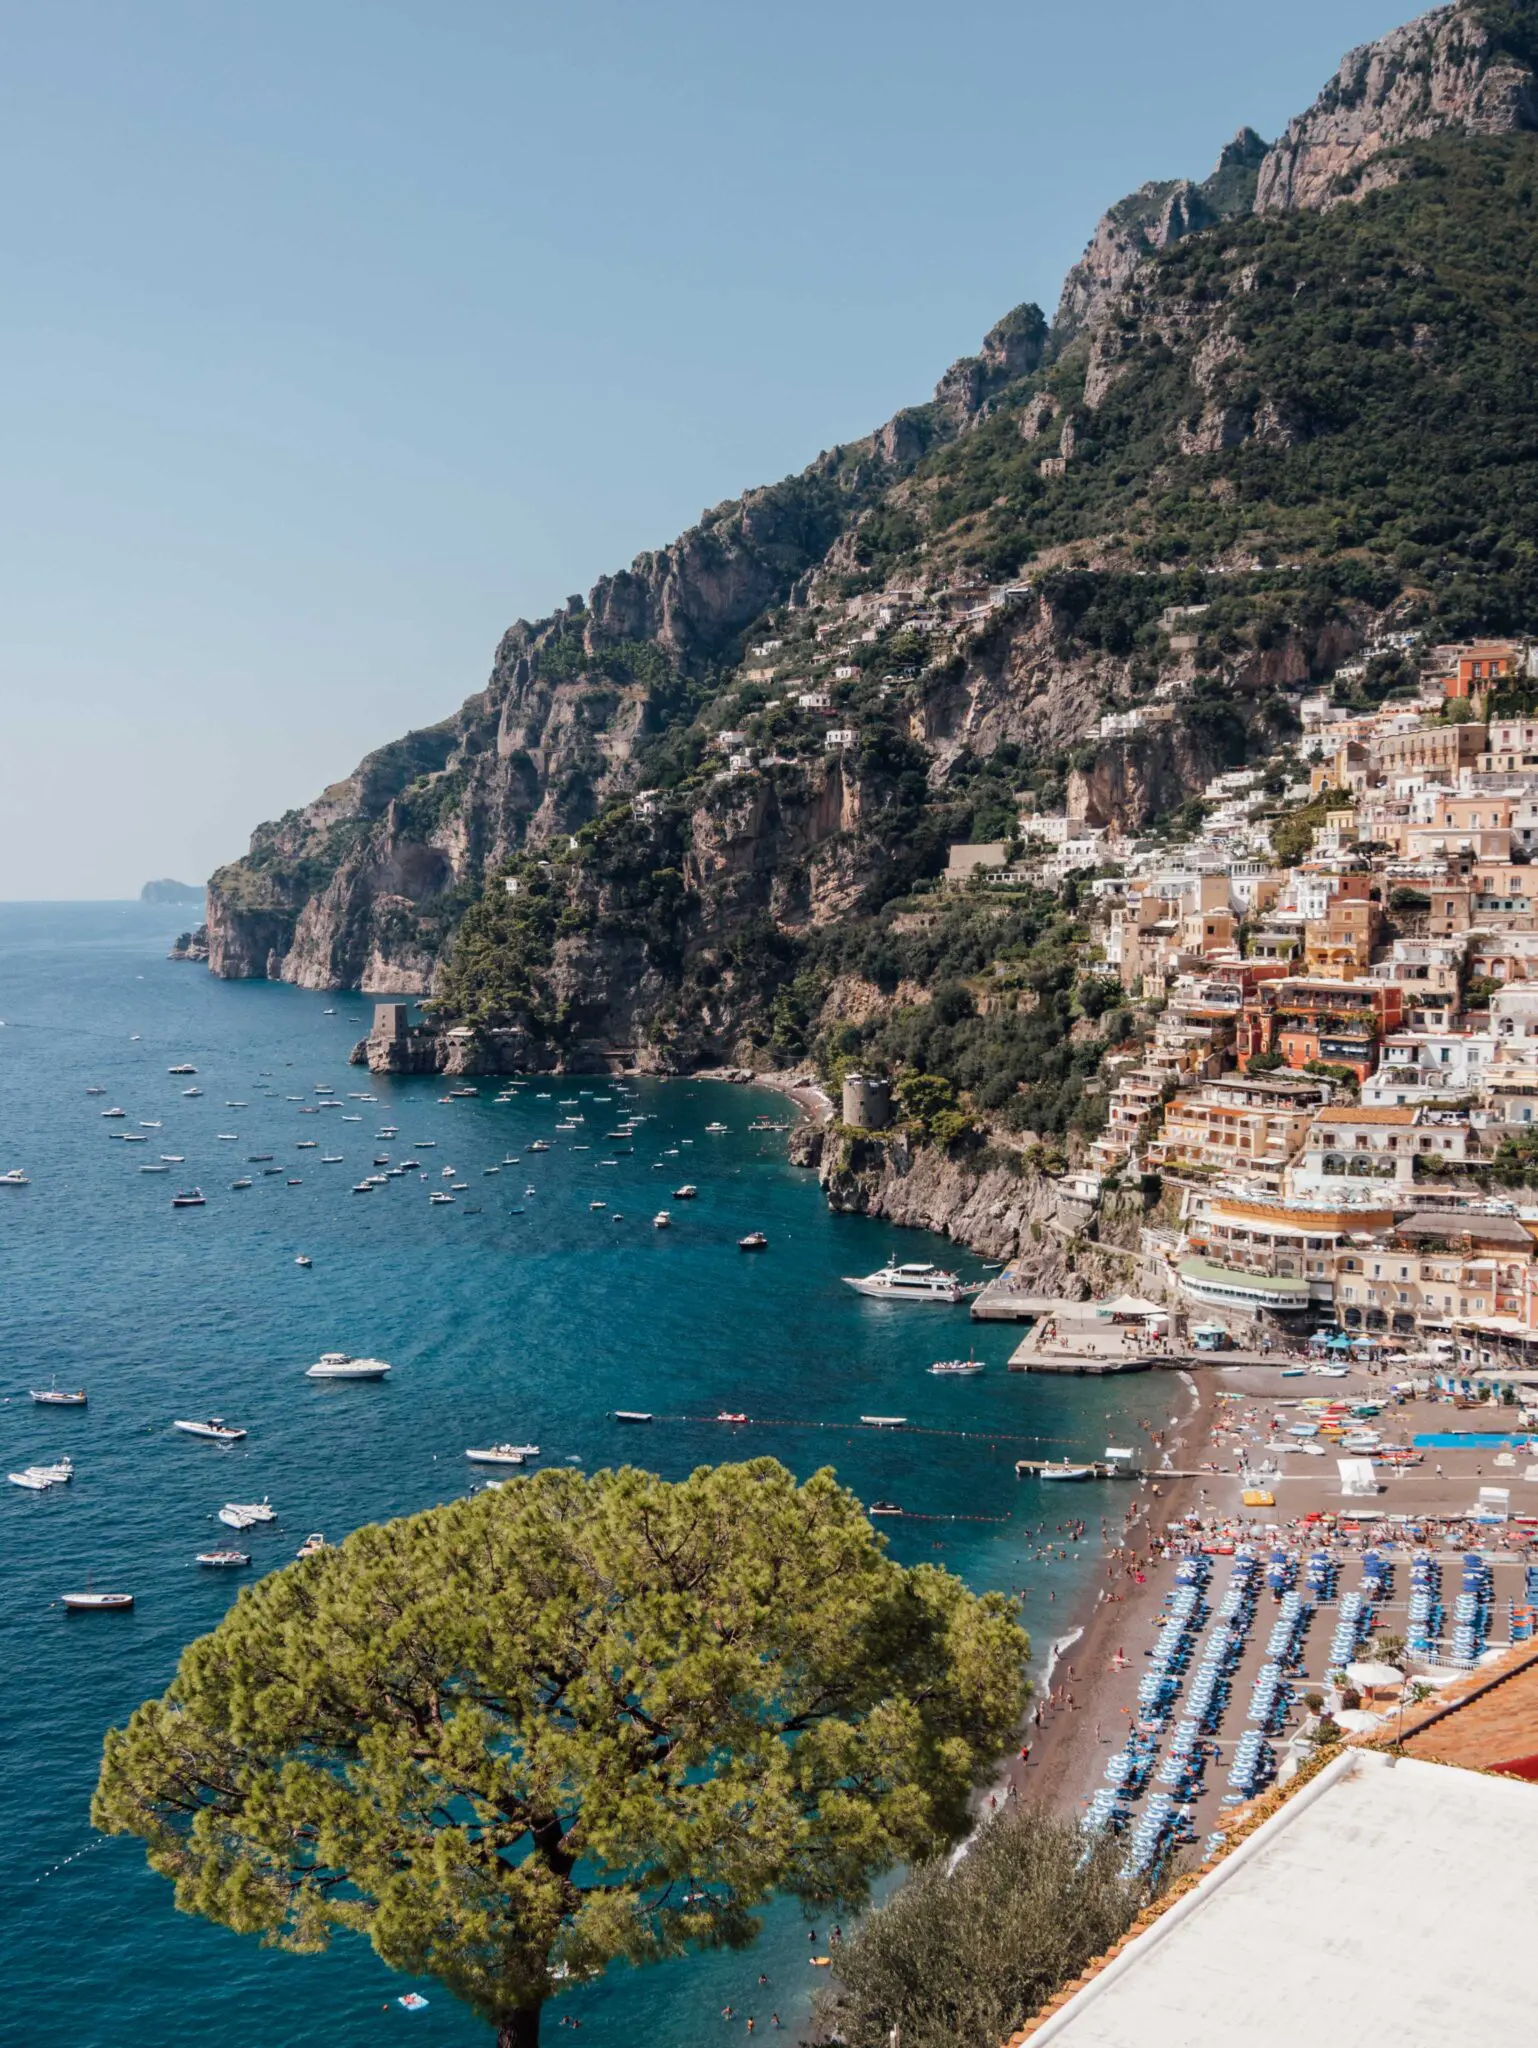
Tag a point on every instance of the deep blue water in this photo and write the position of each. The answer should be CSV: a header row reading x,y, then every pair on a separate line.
x,y
530,1326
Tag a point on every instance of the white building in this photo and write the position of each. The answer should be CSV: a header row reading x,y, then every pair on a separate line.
x,y
1380,1872
840,737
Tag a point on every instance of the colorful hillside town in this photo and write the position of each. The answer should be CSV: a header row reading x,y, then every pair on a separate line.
x,y
1336,977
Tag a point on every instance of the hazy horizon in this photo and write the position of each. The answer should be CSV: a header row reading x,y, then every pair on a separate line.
x,y
341,338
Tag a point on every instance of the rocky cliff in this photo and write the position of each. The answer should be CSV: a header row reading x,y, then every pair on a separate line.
x,y
1456,70
686,808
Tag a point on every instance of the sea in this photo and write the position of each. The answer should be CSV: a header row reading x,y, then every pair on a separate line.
x,y
521,1311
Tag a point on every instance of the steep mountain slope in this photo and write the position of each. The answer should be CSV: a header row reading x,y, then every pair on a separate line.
x,y
1301,412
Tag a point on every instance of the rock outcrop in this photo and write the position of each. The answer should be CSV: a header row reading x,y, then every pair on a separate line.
x,y
1011,349
1449,71
1149,219
191,945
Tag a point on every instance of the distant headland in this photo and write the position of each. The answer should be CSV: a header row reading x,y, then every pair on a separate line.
x,y
168,891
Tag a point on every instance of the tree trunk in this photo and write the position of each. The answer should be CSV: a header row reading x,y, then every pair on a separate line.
x,y
520,2029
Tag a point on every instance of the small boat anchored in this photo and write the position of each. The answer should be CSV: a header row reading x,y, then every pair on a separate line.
x,y
216,1430
223,1560
38,1478
58,1397
956,1366
755,1241
632,1415
14,1179
237,1514
337,1365
1066,1471
97,1603
191,1198
503,1454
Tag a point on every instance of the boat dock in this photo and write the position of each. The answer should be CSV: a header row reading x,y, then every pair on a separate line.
x,y
1097,1468
1003,1299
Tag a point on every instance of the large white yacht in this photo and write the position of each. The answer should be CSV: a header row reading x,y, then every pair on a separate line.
x,y
909,1283
336,1365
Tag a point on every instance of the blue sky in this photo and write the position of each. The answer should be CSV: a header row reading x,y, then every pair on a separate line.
x,y
339,335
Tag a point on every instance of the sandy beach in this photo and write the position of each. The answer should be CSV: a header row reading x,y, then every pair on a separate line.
x,y
1090,1704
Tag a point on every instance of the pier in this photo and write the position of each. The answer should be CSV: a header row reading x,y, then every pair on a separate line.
x,y
1099,1468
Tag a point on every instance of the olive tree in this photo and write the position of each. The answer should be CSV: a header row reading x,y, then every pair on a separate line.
x,y
520,1736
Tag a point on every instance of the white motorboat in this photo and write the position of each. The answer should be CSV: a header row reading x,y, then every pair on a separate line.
x,y
216,1429
192,1091
883,1421
331,1158
183,1069
363,1187
303,1259
162,1168
662,1220
237,1514
912,1282
632,1415
192,1199
1066,1471
151,1123
717,1130
597,1205
686,1193
58,1397
97,1603
438,1195
499,1454
114,1112
539,1145
956,1366
755,1241
223,1560
237,1184
96,1091
14,1179
883,1507
312,1543
337,1365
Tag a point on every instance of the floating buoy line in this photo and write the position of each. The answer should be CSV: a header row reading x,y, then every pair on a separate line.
x,y
981,1436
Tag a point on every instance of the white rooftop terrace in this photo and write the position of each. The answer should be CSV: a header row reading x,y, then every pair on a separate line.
x,y
1383,1903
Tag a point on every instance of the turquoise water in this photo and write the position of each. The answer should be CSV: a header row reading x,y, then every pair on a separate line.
x,y
531,1326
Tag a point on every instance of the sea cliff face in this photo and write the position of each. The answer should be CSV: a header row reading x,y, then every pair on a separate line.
x,y
768,731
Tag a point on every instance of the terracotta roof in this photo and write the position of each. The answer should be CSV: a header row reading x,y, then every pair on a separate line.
x,y
1365,1116
1487,1721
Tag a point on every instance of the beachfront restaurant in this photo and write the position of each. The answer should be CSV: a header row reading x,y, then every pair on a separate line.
x,y
1251,1294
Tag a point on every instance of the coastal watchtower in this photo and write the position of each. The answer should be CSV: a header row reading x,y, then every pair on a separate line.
x,y
390,1022
867,1101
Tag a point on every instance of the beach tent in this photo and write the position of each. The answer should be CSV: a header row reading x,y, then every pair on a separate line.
x,y
1129,1305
